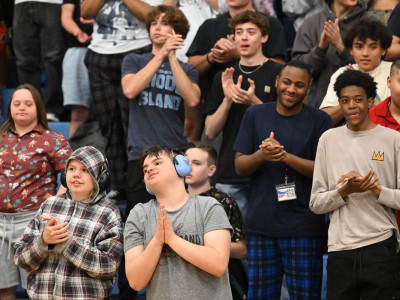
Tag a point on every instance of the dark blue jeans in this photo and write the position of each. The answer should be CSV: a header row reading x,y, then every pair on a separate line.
x,y
38,43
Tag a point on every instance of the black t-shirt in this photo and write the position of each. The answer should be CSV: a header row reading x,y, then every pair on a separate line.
x,y
87,28
214,29
264,80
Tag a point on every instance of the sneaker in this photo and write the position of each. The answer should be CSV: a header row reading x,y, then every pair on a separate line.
x,y
51,117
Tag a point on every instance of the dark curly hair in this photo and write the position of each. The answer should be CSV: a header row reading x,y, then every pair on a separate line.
x,y
357,78
367,28
172,15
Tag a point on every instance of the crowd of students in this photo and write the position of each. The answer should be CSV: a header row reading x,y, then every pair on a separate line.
x,y
288,187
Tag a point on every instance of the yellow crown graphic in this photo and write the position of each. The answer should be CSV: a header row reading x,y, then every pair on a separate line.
x,y
378,156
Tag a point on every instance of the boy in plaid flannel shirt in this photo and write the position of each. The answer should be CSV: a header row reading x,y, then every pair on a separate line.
x,y
73,246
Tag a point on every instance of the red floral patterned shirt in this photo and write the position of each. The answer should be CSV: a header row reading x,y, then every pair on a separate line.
x,y
28,167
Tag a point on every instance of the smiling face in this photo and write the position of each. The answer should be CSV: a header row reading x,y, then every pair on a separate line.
x,y
23,109
367,54
292,86
355,105
249,39
79,180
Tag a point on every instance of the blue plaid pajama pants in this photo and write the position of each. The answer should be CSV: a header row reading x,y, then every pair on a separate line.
x,y
299,258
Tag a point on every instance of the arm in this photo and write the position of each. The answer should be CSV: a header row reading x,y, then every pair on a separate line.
x,y
139,8
324,194
213,4
216,122
201,46
90,8
334,112
225,50
212,258
133,84
200,63
189,91
269,150
193,122
31,252
304,166
141,262
68,23
246,165
312,47
145,260
238,249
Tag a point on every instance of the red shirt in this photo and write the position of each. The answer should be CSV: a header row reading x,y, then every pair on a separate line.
x,y
380,114
28,167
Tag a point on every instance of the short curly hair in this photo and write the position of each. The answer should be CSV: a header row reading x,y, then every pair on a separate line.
x,y
172,15
367,28
357,78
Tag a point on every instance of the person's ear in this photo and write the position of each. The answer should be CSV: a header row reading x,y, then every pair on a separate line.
x,y
371,101
264,38
276,80
211,170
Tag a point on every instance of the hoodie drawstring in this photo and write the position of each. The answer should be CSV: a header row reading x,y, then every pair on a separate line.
x,y
10,235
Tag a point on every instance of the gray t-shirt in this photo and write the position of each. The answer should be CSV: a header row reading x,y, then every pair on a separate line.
x,y
175,278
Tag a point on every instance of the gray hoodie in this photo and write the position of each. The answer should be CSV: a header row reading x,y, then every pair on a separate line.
x,y
323,62
96,164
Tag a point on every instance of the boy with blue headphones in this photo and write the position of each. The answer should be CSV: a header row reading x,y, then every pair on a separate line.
x,y
176,244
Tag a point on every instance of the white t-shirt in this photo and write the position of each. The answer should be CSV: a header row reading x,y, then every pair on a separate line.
x,y
380,75
117,30
196,11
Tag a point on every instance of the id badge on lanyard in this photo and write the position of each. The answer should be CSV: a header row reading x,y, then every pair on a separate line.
x,y
286,191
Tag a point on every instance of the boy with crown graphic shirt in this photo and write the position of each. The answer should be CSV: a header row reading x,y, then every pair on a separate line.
x,y
356,181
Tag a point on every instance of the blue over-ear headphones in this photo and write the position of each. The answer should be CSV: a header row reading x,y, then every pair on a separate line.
x,y
182,167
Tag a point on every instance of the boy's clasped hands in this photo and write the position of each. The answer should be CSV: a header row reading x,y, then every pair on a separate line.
x,y
55,232
164,233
